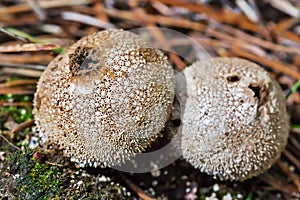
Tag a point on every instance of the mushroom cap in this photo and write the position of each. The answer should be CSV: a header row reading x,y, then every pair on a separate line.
x,y
234,119
105,98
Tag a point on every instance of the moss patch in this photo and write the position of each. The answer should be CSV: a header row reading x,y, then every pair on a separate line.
x,y
30,179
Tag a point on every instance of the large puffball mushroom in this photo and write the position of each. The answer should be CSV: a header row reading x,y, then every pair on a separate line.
x,y
105,98
234,118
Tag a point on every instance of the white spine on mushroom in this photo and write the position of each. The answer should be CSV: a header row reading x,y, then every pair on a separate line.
x,y
234,119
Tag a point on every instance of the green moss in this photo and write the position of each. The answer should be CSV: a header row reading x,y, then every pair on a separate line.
x,y
36,180
22,177
19,114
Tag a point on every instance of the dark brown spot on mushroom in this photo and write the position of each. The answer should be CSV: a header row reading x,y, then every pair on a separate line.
x,y
233,78
81,61
256,89
260,92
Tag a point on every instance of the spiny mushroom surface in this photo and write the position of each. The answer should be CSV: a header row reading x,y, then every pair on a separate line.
x,y
234,121
105,98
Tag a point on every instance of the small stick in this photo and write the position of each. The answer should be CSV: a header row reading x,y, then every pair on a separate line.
x,y
180,65
291,174
21,104
8,142
277,184
22,59
291,158
86,19
256,40
135,188
17,90
18,83
53,164
279,66
43,4
217,15
12,35
22,126
28,47
37,9
20,72
25,66
143,17
160,38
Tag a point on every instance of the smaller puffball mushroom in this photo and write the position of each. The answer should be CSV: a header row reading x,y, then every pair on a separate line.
x,y
234,119
105,99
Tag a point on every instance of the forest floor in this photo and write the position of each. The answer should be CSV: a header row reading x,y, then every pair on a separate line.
x,y
33,32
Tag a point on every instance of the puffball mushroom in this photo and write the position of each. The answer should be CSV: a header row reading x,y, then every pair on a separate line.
x,y
105,98
234,121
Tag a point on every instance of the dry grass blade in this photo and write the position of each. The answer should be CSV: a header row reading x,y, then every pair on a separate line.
x,y
162,8
163,43
24,66
295,147
37,9
43,4
12,35
215,14
140,16
286,7
21,104
242,49
248,10
278,184
18,83
21,59
285,24
276,65
7,141
290,173
29,47
292,158
240,35
85,19
17,90
21,73
215,44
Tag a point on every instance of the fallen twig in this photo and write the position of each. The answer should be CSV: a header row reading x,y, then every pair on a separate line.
x,y
276,65
37,9
21,127
135,188
21,104
16,90
278,184
292,158
7,141
291,174
18,83
29,47
77,17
